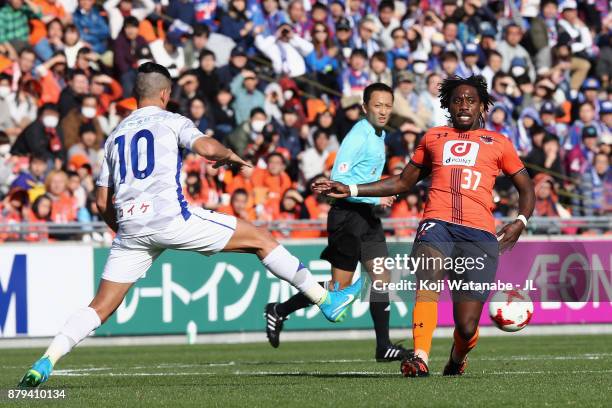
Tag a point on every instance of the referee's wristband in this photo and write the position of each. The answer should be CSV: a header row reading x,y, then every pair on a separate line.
x,y
522,218
354,190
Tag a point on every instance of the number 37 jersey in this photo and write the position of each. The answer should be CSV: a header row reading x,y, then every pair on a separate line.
x,y
142,164
464,166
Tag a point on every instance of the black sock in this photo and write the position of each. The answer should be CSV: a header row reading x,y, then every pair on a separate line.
x,y
380,311
295,302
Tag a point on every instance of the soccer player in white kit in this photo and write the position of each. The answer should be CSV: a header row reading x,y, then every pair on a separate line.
x,y
140,197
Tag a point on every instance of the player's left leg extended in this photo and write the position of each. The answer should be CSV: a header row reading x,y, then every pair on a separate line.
x,y
466,314
275,257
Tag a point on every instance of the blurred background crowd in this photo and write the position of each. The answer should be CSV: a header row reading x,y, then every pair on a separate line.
x,y
280,83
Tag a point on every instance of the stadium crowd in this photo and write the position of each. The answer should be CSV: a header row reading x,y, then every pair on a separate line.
x,y
280,83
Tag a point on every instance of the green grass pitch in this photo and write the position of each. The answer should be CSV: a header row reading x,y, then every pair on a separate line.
x,y
517,371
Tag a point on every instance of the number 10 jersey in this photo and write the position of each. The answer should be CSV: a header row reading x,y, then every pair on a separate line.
x,y
142,164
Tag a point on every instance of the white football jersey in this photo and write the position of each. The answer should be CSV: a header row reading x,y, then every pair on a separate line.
x,y
142,163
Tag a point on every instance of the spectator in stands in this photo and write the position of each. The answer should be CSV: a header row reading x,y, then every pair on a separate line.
x,y
223,115
272,181
7,96
290,208
70,98
510,48
14,22
118,10
312,160
72,44
211,187
193,189
88,146
236,24
13,209
6,164
64,205
365,36
355,77
42,137
580,157
33,179
106,90
199,114
246,96
208,78
431,102
586,117
239,206
40,212
344,40
126,48
188,88
202,39
237,62
77,117
247,131
596,187
285,49
379,72
169,53
322,62
92,26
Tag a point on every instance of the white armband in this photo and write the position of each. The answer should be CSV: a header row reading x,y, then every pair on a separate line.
x,y
354,190
522,218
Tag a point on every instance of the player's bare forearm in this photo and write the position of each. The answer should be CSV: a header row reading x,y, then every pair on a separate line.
x,y
392,185
526,191
211,149
215,151
511,232
104,202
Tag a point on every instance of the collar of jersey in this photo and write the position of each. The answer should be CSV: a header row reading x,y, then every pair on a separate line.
x,y
371,128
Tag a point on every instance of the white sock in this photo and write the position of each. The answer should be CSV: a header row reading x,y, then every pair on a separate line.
x,y
422,354
78,326
287,267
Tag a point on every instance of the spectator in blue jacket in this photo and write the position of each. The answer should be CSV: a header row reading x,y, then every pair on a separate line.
x,y
246,95
92,26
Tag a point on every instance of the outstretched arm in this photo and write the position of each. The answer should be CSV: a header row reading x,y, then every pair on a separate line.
x,y
383,188
511,232
215,151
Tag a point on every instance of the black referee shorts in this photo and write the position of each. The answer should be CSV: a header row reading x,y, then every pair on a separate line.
x,y
354,234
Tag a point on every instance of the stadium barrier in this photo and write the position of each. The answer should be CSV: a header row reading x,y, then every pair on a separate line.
x,y
41,285
74,230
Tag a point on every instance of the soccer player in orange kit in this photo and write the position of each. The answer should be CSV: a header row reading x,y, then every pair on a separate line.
x,y
464,160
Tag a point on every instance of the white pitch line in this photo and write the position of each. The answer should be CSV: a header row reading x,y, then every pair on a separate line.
x,y
311,373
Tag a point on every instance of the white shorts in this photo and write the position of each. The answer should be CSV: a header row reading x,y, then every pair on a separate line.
x,y
206,232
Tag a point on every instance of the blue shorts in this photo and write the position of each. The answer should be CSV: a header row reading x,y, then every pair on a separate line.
x,y
470,254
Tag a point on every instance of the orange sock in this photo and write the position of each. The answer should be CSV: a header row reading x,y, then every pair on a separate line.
x,y
424,320
462,346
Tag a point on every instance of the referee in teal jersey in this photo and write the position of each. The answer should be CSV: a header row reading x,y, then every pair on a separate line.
x,y
355,233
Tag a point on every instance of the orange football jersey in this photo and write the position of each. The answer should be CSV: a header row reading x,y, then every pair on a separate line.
x,y
464,166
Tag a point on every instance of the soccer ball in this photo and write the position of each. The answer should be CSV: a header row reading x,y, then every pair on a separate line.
x,y
510,310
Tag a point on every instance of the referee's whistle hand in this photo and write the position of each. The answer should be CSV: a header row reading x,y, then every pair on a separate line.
x,y
331,189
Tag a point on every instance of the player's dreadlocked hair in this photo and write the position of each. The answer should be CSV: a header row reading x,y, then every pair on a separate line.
x,y
478,82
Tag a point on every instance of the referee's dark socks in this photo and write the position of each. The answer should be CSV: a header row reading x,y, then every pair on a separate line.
x,y
380,311
294,303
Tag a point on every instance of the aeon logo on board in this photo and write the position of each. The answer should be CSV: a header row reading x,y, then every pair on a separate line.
x,y
460,153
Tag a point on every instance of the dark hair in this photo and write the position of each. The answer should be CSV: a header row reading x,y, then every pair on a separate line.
x,y
238,191
377,86
448,55
536,129
379,55
150,67
257,110
386,4
207,53
74,72
71,173
39,157
48,106
131,21
27,50
549,137
4,139
275,154
478,82
201,29
55,20
36,205
359,52
320,132
86,127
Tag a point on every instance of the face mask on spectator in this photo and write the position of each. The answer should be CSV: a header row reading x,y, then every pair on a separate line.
x,y
4,91
4,150
258,125
419,68
517,71
288,94
88,112
50,121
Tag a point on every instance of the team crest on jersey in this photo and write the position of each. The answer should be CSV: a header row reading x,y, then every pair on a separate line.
x,y
343,167
460,153
486,139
